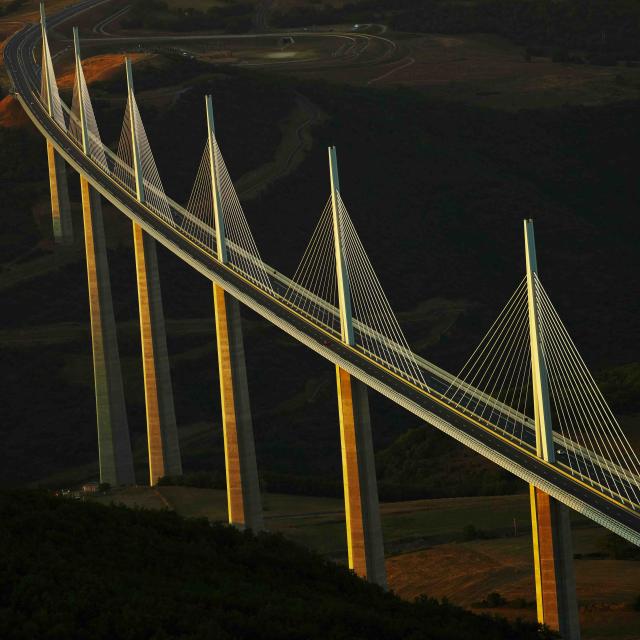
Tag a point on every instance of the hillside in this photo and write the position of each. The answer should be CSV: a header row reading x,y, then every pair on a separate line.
x,y
73,569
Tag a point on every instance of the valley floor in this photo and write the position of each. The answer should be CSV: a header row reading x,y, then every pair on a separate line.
x,y
429,551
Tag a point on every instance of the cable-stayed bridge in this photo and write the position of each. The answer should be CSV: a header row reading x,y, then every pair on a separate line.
x,y
525,399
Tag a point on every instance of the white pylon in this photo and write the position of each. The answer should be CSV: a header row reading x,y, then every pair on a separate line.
x,y
45,62
218,217
539,376
135,147
342,273
84,131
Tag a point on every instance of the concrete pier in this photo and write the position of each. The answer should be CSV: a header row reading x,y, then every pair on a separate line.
x,y
556,601
60,207
114,445
162,431
362,511
556,598
243,489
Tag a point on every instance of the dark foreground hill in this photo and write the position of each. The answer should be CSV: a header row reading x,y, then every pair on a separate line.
x,y
79,570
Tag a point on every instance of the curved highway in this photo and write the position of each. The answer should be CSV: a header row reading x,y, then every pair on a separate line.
x,y
429,404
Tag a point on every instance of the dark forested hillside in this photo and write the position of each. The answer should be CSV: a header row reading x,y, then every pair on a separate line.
x,y
76,570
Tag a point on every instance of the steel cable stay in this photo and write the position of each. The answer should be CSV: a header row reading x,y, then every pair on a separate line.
x,y
380,332
154,191
371,307
496,375
200,226
459,389
501,354
560,381
123,170
515,345
244,252
581,395
325,282
49,84
313,288
96,148
564,412
599,402
519,382
94,143
75,128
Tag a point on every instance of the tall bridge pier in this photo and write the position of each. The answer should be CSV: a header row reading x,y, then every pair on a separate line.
x,y
243,488
59,188
162,431
362,511
114,445
556,600
60,205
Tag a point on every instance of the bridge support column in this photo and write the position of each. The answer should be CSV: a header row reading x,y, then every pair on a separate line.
x,y
60,206
243,490
556,597
362,511
114,445
553,564
162,432
364,530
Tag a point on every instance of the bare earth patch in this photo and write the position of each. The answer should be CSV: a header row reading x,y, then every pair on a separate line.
x,y
12,114
491,71
466,573
101,67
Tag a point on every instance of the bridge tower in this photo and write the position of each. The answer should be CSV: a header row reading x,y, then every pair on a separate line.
x,y
362,511
556,598
60,206
243,490
114,444
162,431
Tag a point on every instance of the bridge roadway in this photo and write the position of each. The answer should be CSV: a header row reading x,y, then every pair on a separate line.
x,y
518,459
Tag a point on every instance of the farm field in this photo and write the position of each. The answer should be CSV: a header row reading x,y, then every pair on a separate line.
x,y
479,69
490,71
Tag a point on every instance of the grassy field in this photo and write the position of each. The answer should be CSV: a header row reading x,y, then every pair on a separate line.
x,y
491,71
478,69
427,554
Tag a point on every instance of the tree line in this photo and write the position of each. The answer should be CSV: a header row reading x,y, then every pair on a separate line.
x,y
232,17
